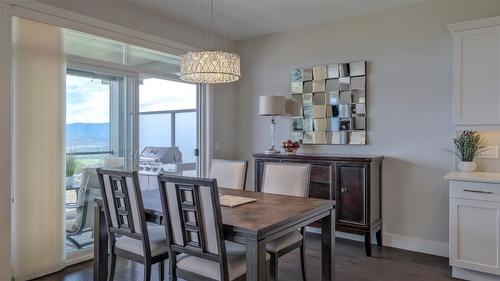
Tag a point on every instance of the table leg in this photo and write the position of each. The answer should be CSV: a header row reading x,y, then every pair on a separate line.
x,y
328,247
100,245
256,260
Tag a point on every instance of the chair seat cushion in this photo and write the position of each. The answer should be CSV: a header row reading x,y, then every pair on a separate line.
x,y
71,225
236,259
281,243
157,240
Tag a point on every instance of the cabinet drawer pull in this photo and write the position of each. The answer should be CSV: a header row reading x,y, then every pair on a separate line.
x,y
478,191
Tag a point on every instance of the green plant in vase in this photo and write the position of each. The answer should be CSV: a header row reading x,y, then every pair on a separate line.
x,y
467,146
71,162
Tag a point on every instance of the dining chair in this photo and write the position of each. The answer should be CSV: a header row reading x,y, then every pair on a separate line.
x,y
229,173
195,235
286,179
80,215
130,236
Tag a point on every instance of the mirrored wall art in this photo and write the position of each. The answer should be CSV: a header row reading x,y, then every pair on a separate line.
x,y
333,102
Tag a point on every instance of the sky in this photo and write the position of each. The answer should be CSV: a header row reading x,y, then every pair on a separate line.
x,y
87,99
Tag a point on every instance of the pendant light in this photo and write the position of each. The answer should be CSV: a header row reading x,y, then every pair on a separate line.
x,y
210,66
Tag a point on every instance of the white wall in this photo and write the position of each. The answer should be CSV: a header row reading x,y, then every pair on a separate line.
x,y
409,51
5,141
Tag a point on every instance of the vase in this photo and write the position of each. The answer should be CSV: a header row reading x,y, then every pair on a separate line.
x,y
467,167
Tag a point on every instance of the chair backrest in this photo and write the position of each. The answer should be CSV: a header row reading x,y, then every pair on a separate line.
x,y
123,205
229,173
89,190
286,178
193,219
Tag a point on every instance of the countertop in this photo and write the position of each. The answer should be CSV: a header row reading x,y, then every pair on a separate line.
x,y
475,177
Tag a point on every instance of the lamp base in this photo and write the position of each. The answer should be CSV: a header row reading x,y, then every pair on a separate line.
x,y
272,151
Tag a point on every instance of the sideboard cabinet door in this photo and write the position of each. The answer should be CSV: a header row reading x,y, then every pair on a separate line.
x,y
474,235
351,193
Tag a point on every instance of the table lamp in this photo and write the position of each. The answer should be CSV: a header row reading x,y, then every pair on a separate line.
x,y
272,106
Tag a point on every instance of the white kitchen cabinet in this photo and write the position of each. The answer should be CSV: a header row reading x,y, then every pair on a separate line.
x,y
474,225
476,72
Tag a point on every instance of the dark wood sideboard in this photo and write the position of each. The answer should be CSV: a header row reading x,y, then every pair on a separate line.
x,y
354,182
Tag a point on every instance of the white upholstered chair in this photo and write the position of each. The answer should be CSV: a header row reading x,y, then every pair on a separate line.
x,y
130,236
195,232
229,173
286,179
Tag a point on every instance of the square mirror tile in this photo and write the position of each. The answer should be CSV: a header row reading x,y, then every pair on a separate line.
x,y
307,99
307,74
332,85
297,87
344,83
308,124
345,98
333,71
297,124
358,97
319,98
343,70
318,86
296,75
359,123
332,124
319,72
358,83
357,68
308,87
357,138
359,109
333,97
319,124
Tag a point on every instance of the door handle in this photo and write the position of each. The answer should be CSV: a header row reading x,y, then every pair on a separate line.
x,y
478,191
343,190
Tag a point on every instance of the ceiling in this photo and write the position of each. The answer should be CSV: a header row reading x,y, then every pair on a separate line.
x,y
244,19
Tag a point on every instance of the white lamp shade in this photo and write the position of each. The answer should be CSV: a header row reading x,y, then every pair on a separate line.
x,y
272,105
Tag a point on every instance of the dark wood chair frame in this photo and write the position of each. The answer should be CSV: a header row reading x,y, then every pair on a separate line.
x,y
274,268
128,229
194,248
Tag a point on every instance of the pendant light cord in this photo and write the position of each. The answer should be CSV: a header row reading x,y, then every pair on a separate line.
x,y
212,23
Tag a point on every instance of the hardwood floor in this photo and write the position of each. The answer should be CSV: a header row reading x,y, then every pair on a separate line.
x,y
386,264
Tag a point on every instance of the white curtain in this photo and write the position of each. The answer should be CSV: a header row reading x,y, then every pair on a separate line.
x,y
38,157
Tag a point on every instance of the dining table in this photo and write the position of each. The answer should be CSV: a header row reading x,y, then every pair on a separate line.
x,y
254,224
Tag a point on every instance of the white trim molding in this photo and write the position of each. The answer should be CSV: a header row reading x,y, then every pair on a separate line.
x,y
414,244
408,243
474,24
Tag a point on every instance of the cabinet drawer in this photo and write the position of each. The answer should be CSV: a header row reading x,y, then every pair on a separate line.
x,y
475,191
320,174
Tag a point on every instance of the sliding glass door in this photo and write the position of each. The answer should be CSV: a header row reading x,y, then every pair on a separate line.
x,y
99,133
168,118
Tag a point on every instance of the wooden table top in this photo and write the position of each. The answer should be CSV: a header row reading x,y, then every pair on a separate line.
x,y
259,218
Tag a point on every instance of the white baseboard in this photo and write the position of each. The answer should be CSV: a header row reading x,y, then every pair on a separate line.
x,y
416,244
398,241
465,274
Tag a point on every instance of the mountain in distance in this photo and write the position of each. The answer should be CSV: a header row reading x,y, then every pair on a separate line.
x,y
87,136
